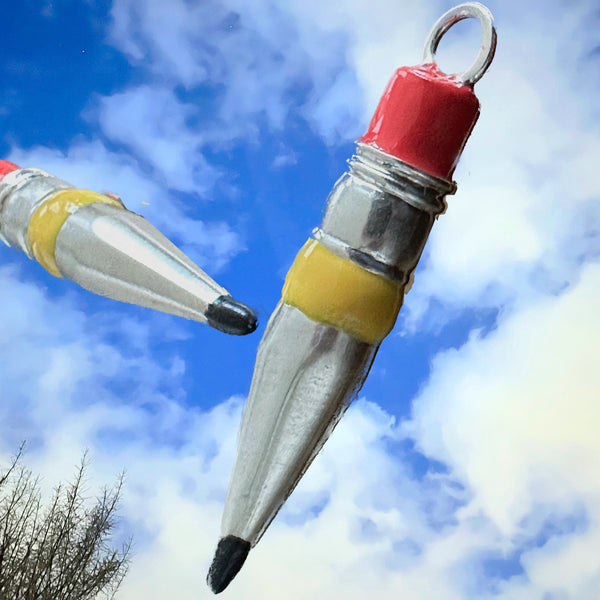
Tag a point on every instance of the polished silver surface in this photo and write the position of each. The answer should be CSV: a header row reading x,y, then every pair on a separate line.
x,y
118,254
488,43
379,214
21,192
415,187
306,375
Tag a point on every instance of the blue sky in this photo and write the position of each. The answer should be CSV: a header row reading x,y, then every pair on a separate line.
x,y
469,466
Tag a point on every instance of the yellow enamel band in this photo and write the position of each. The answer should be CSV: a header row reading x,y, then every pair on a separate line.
x,y
335,291
50,216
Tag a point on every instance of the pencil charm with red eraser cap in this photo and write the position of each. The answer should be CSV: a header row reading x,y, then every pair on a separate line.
x,y
346,286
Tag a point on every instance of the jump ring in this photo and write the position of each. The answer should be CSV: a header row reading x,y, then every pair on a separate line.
x,y
488,44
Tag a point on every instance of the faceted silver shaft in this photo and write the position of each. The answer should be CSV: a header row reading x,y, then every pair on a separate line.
x,y
296,398
116,253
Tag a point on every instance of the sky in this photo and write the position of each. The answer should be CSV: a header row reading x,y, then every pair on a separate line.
x,y
469,465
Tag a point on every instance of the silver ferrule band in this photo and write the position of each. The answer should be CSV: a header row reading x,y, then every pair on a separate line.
x,y
21,193
364,259
409,184
380,212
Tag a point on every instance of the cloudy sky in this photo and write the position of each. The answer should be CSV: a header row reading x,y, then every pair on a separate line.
x,y
469,467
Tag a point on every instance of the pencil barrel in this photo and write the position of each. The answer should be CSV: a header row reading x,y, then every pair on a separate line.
x,y
305,376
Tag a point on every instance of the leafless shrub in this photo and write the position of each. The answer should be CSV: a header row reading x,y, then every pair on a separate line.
x,y
58,550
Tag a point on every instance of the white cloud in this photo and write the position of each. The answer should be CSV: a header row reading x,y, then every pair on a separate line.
x,y
382,36
515,416
263,61
153,124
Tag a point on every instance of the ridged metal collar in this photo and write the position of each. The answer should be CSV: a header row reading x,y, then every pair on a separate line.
x,y
21,193
413,186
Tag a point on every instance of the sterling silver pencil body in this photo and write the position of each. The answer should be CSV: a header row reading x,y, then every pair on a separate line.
x,y
340,299
95,241
296,402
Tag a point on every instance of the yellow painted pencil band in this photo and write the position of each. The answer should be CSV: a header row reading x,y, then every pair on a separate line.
x,y
50,216
338,292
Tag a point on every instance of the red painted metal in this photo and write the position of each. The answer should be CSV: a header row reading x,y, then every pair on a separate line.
x,y
424,118
6,167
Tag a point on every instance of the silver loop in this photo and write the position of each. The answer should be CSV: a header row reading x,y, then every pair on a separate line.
x,y
488,44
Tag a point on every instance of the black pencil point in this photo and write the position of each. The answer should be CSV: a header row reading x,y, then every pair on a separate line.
x,y
229,557
230,316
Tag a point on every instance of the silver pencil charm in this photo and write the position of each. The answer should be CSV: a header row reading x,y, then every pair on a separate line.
x,y
343,292
94,240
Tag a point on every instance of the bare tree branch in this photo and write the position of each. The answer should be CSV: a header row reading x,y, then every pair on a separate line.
x,y
61,551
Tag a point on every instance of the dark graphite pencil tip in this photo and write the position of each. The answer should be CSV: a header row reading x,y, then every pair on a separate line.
x,y
229,557
230,316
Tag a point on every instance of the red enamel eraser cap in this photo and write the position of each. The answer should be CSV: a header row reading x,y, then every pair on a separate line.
x,y
424,118
6,167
